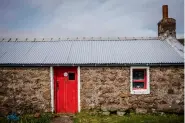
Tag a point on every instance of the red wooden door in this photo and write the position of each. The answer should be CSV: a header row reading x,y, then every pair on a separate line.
x,y
66,99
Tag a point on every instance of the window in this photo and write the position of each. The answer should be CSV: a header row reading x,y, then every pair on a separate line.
x,y
71,76
139,80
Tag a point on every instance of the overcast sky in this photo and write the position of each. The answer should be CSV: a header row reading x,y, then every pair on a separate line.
x,y
105,18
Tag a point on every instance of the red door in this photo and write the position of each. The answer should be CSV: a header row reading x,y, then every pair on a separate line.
x,y
66,99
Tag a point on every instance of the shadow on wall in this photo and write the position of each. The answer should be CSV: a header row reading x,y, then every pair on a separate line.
x,y
181,41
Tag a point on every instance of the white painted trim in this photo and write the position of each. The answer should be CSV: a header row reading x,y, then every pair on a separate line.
x,y
79,89
143,91
52,89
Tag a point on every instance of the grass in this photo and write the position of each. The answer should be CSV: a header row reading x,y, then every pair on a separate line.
x,y
89,117
44,118
85,117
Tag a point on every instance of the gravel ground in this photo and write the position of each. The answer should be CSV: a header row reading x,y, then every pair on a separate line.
x,y
63,119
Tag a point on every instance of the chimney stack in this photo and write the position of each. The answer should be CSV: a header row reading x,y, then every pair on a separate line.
x,y
167,26
165,11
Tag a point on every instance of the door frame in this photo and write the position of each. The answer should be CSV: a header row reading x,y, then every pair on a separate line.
x,y
53,91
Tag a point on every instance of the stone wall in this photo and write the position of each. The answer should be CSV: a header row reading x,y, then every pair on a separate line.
x,y
27,89
24,89
167,27
108,89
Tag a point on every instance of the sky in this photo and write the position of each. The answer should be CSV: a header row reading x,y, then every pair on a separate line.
x,y
86,18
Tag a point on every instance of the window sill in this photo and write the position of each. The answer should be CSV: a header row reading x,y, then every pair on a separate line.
x,y
140,91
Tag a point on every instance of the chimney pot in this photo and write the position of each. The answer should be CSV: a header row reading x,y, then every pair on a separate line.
x,y
165,11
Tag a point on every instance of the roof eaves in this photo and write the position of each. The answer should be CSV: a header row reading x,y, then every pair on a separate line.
x,y
93,64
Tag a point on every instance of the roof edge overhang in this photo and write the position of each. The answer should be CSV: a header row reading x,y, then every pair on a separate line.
x,y
93,65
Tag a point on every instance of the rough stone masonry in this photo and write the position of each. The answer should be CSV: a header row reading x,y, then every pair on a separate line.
x,y
108,89
24,89
27,90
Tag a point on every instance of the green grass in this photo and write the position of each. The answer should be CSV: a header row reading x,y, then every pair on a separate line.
x,y
44,118
89,117
85,117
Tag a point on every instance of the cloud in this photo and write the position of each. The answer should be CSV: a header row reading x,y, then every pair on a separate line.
x,y
46,18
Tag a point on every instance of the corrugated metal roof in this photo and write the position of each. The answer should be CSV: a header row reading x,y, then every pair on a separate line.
x,y
176,45
77,38
89,52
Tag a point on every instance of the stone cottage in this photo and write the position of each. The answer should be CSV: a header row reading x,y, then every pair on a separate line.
x,y
145,74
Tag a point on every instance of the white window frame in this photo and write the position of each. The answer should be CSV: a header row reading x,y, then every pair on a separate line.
x,y
140,91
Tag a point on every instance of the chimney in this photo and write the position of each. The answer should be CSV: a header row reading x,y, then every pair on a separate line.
x,y
167,26
165,11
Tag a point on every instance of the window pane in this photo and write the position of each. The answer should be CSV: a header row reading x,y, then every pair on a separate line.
x,y
138,84
71,76
138,74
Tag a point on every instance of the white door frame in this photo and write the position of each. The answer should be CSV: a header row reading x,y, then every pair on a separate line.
x,y
52,88
78,73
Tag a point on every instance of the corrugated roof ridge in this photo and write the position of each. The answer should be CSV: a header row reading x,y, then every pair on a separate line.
x,y
77,39
178,47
